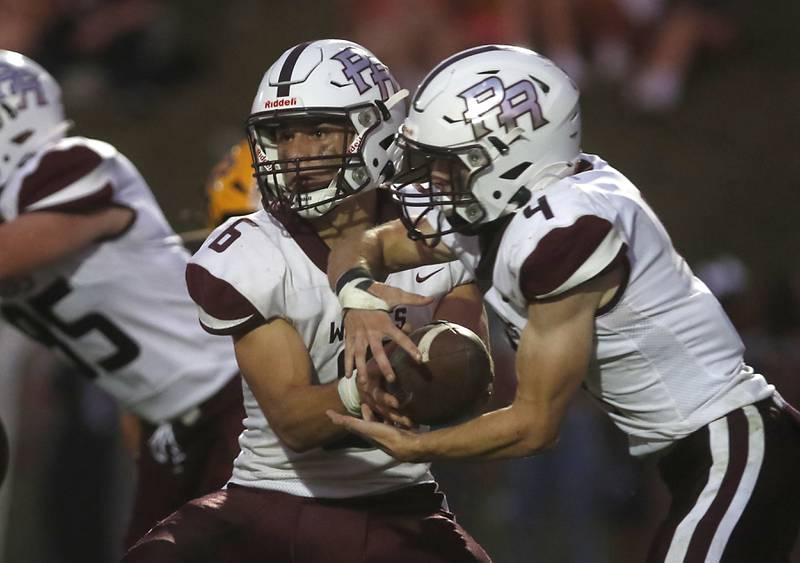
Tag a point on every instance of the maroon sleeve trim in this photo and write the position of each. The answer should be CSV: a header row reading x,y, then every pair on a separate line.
x,y
621,259
559,255
86,205
220,300
243,328
56,170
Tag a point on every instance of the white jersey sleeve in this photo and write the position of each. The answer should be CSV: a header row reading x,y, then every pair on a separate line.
x,y
75,175
557,242
234,287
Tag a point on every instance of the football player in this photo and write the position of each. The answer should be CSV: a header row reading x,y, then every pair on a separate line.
x,y
304,489
594,295
90,267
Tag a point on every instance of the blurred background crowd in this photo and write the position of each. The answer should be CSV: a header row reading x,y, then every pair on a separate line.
x,y
695,100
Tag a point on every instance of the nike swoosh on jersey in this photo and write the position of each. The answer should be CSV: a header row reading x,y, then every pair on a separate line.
x,y
421,279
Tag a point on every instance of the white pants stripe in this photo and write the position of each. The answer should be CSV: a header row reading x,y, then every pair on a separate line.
x,y
755,457
720,456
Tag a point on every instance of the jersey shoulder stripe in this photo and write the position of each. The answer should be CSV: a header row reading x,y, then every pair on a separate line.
x,y
67,178
568,256
238,277
222,309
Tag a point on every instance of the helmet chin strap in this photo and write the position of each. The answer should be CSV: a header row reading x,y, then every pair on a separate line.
x,y
58,131
541,179
325,195
396,98
551,173
322,195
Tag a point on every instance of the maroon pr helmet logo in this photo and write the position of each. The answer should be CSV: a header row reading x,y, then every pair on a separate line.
x,y
511,103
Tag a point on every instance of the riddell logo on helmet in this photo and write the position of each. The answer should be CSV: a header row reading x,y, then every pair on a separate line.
x,y
281,103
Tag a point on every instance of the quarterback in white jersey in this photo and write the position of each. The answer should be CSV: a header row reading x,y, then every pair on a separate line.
x,y
304,489
593,295
90,267
266,266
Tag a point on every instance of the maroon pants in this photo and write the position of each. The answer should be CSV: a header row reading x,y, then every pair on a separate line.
x,y
735,488
193,458
247,525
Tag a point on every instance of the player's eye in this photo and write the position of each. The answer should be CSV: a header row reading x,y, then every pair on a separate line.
x,y
285,136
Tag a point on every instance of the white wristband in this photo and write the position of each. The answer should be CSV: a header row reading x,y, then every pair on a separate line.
x,y
348,393
353,297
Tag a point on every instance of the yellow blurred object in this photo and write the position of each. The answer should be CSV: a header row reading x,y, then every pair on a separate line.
x,y
231,188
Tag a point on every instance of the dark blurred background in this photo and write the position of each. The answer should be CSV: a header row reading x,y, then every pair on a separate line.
x,y
695,100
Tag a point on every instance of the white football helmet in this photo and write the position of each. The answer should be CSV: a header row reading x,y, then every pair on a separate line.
x,y
506,122
327,80
31,112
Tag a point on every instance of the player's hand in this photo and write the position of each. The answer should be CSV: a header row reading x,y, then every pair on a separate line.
x,y
366,329
397,442
377,399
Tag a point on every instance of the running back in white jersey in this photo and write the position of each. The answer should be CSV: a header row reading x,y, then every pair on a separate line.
x,y
256,268
119,309
667,359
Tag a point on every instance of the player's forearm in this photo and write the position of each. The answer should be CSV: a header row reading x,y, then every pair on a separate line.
x,y
299,418
381,251
363,251
35,240
502,434
464,306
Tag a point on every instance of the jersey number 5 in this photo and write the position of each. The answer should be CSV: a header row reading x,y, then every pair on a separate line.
x,y
37,323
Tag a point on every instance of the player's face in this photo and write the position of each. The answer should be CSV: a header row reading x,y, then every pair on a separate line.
x,y
448,174
308,139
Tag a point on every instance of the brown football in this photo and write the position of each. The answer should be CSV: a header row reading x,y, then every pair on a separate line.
x,y
453,381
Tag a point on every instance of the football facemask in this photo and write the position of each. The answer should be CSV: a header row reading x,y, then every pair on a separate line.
x,y
334,83
431,178
307,163
509,115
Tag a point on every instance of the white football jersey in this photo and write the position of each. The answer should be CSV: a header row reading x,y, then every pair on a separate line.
x,y
666,359
258,267
119,309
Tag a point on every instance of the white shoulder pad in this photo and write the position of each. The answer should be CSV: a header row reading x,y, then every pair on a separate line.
x,y
237,277
564,237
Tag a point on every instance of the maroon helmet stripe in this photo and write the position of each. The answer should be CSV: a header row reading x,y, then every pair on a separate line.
x,y
738,431
559,255
288,67
447,62
217,297
56,170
